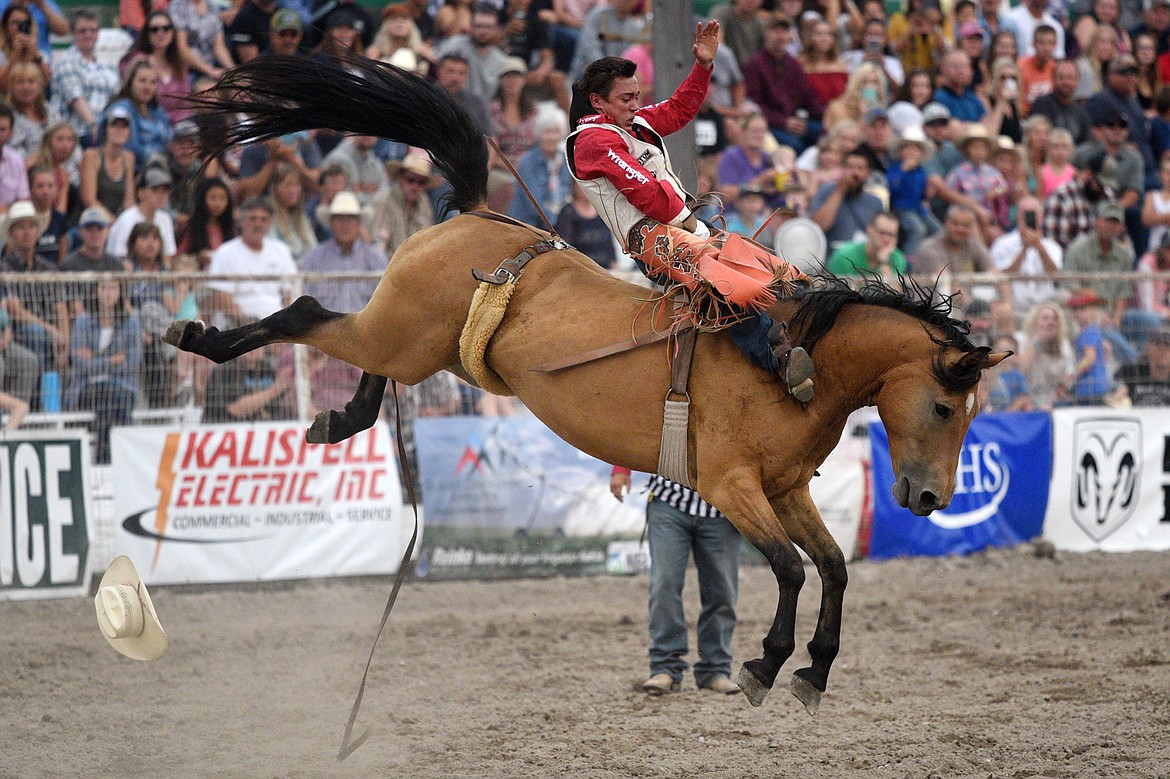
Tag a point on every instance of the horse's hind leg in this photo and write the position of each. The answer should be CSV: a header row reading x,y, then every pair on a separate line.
x,y
803,522
360,413
289,325
741,498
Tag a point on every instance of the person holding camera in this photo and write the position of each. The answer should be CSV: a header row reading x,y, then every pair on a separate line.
x,y
1025,250
18,43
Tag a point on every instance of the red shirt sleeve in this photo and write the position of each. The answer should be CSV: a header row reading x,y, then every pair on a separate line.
x,y
618,469
674,113
602,152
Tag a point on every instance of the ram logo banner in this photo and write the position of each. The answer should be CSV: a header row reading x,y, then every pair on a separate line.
x,y
1107,463
1111,486
44,512
255,502
1001,490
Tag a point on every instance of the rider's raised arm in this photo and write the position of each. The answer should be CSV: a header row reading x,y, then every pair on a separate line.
x,y
674,113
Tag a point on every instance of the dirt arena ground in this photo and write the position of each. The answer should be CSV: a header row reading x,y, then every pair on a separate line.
x,y
999,665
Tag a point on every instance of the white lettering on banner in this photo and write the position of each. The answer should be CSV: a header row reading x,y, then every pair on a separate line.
x,y
988,473
32,531
30,545
631,174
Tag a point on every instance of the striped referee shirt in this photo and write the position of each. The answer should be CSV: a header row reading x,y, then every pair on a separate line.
x,y
682,498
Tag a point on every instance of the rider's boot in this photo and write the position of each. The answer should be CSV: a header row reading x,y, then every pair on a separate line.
x,y
796,367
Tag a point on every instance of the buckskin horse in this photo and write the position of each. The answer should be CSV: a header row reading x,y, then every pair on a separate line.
x,y
752,449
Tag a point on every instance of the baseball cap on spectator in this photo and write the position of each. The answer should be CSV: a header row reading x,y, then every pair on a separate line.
x,y
1111,118
970,30
286,19
119,113
343,16
1160,336
94,215
186,129
513,65
934,112
19,211
874,115
396,9
1148,5
345,203
1110,210
1084,299
155,176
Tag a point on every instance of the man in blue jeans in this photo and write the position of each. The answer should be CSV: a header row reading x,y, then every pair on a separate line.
x,y
679,523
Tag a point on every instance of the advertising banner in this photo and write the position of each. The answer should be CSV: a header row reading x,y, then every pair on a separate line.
x,y
1111,480
255,502
1001,491
44,515
504,496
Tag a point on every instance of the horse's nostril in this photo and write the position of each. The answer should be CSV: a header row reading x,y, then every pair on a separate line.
x,y
928,500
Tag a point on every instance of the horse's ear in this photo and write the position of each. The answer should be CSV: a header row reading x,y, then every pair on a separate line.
x,y
973,361
995,359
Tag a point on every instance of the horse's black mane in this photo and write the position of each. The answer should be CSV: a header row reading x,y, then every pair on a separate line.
x,y
820,304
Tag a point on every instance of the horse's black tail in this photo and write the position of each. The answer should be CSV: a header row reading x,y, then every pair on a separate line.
x,y
280,95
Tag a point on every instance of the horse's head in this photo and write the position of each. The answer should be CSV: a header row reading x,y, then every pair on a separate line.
x,y
926,407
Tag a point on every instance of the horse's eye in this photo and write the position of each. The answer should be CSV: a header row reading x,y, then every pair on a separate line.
x,y
943,412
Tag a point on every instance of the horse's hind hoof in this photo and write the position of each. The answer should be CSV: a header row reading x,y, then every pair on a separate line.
x,y
753,689
320,430
182,332
810,696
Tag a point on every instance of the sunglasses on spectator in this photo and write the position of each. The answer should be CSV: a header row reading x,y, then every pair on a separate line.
x,y
289,33
160,28
419,180
1126,71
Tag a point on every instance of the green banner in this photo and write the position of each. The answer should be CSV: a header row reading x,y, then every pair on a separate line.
x,y
44,518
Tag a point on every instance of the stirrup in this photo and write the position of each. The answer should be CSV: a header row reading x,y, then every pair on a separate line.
x,y
796,367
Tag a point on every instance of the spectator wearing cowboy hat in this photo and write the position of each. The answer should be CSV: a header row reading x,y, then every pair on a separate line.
x,y
909,185
403,208
979,180
38,322
347,250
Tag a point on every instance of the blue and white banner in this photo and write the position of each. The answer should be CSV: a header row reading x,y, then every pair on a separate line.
x,y
1001,491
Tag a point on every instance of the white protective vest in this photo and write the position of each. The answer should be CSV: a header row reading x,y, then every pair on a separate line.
x,y
613,208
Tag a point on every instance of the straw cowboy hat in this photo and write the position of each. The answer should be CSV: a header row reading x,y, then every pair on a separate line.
x,y
976,132
126,614
413,162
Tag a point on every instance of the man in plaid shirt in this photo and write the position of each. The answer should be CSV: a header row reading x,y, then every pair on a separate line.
x,y
82,86
1072,209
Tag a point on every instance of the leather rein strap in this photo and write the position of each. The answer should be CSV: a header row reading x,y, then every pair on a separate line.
x,y
509,270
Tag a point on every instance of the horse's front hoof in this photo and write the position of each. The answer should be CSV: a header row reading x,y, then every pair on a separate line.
x,y
753,689
321,428
809,695
182,332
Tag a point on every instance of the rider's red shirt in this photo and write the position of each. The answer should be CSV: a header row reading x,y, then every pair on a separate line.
x,y
603,152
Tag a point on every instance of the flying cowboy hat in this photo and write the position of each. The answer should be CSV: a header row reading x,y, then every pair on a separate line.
x,y
126,614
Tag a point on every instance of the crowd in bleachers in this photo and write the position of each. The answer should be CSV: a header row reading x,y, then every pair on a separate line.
x,y
966,137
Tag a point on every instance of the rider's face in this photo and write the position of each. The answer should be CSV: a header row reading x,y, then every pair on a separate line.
x,y
622,102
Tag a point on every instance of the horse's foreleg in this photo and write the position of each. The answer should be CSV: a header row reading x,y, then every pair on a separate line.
x,y
360,413
742,500
803,522
289,325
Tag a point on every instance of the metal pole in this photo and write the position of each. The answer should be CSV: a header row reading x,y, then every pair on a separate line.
x,y
672,37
